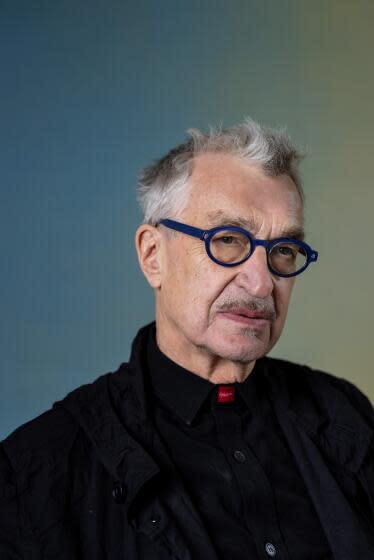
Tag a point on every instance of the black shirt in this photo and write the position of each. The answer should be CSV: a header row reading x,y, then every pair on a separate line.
x,y
236,465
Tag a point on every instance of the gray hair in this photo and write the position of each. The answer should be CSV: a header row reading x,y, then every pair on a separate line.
x,y
163,186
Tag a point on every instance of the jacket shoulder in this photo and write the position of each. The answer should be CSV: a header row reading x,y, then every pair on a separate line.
x,y
49,435
330,391
53,432
46,434
304,374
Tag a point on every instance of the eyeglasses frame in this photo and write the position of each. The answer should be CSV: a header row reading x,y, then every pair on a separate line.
x,y
206,235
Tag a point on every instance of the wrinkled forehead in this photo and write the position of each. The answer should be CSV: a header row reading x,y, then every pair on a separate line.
x,y
223,187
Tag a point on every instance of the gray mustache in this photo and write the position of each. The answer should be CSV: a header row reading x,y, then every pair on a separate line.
x,y
253,304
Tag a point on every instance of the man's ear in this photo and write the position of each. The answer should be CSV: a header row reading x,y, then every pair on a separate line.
x,y
148,248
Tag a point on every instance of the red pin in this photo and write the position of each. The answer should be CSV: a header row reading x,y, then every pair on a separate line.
x,y
226,393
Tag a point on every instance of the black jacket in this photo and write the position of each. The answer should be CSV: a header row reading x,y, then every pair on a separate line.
x,y
91,479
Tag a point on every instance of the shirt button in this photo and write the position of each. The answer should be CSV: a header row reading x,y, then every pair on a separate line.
x,y
270,549
118,492
239,456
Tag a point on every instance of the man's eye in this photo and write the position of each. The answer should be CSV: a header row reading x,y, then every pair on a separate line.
x,y
287,251
227,239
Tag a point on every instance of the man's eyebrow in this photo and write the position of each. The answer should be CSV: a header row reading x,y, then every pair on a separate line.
x,y
294,232
219,218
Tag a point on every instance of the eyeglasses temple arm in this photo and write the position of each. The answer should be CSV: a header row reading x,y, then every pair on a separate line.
x,y
183,228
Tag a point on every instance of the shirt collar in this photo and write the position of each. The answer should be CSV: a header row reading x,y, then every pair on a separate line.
x,y
185,392
181,390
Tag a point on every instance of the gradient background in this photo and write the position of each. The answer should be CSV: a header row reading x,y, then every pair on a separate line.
x,y
92,91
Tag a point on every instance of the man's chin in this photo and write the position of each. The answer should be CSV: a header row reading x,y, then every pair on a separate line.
x,y
243,351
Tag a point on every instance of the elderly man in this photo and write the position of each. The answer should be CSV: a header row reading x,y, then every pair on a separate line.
x,y
201,447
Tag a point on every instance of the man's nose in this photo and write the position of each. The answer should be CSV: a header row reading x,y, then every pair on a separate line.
x,y
254,274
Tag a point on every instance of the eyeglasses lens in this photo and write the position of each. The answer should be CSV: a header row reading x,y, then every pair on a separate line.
x,y
287,258
230,246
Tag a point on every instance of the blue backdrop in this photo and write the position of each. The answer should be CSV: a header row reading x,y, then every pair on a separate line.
x,y
92,91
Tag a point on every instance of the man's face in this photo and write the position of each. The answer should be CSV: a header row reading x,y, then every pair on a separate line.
x,y
235,313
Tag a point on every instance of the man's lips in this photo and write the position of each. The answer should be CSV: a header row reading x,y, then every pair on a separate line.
x,y
247,316
251,314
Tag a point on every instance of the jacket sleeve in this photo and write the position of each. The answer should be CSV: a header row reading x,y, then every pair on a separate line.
x,y
14,544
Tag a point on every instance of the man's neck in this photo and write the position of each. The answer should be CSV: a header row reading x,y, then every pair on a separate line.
x,y
202,362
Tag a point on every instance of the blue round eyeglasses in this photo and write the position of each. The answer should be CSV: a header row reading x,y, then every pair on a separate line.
x,y
232,245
